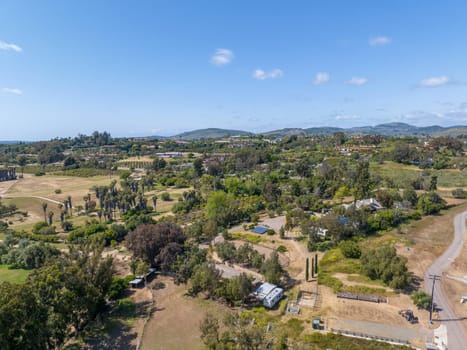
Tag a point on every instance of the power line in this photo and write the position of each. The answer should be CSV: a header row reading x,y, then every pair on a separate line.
x,y
434,278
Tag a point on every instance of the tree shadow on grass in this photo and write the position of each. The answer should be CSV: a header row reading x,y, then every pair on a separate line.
x,y
120,335
414,285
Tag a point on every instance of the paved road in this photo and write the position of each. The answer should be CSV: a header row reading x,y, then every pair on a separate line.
x,y
457,338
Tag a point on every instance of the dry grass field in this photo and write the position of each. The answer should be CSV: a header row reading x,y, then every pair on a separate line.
x,y
175,323
428,238
29,193
45,186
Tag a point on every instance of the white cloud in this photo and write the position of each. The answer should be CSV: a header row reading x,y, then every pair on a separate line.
x,y
260,74
358,81
452,116
12,91
321,78
435,81
346,116
222,57
380,41
9,47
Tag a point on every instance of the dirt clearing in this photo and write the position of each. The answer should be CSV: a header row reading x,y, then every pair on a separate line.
x,y
175,322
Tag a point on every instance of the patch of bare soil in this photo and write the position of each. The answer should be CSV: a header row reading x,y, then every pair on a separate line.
x,y
335,308
176,319
122,333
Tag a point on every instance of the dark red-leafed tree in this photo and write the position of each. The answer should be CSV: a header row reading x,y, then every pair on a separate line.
x,y
156,243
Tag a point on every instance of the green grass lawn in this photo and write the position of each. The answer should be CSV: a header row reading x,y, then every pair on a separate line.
x,y
13,275
334,262
402,174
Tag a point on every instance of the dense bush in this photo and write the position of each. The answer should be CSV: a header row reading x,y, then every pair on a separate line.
x,y
43,228
459,193
350,249
431,203
165,196
384,264
421,299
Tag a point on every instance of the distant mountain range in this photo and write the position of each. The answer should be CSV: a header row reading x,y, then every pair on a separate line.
x,y
389,129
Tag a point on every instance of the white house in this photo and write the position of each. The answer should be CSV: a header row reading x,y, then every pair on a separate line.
x,y
263,290
371,203
273,297
322,232
269,293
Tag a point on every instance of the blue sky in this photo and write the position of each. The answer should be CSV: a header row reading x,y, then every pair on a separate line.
x,y
162,67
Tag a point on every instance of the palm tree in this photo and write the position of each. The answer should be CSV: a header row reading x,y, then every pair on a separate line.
x,y
44,208
22,161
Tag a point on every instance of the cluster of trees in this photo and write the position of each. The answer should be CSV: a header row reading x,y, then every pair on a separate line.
x,y
207,279
245,331
25,254
245,254
384,264
437,155
57,301
237,333
97,231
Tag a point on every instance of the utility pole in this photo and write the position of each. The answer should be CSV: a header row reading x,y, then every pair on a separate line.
x,y
434,278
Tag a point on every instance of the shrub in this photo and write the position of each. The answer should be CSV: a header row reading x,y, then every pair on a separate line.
x,y
67,226
281,249
42,228
350,249
459,193
58,191
117,287
421,299
431,203
324,246
165,196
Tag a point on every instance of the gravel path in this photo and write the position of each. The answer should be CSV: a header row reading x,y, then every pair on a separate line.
x,y
457,339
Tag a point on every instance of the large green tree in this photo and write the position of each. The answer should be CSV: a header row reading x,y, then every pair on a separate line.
x,y
23,319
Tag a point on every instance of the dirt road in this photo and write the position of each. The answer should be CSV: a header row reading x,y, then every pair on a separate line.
x,y
456,335
7,187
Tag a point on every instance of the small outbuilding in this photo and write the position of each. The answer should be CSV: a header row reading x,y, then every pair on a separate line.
x,y
136,283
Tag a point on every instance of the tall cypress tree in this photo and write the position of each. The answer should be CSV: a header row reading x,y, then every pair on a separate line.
x,y
316,264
